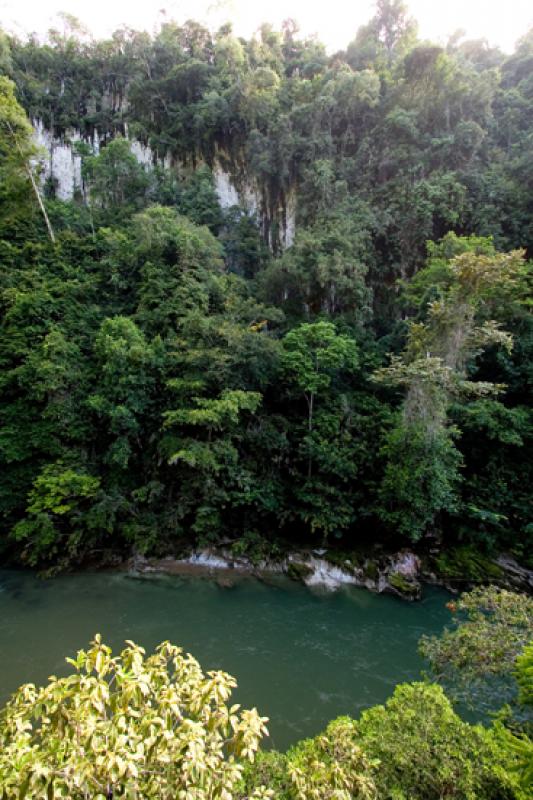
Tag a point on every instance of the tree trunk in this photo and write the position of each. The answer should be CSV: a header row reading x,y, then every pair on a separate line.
x,y
310,403
29,172
41,204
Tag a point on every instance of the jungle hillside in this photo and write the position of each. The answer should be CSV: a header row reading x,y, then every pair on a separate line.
x,y
344,360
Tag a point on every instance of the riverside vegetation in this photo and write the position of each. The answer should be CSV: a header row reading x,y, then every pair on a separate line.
x,y
173,376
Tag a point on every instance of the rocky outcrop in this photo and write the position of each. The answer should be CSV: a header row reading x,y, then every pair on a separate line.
x,y
396,574
402,573
517,577
298,571
58,160
61,165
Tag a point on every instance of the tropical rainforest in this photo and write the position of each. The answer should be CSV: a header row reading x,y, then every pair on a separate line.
x,y
346,362
174,372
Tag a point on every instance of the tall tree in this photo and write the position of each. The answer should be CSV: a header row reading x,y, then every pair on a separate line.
x,y
16,153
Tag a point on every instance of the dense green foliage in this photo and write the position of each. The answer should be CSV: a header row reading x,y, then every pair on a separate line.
x,y
171,374
476,657
156,727
415,746
486,659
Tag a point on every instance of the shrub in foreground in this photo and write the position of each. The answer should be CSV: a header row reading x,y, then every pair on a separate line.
x,y
127,727
415,747
425,750
158,728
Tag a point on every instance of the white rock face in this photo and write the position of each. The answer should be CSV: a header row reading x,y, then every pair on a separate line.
x,y
407,564
60,163
143,153
226,191
146,156
250,198
290,228
324,574
206,559
327,575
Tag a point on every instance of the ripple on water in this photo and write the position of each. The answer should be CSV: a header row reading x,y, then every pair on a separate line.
x,y
301,657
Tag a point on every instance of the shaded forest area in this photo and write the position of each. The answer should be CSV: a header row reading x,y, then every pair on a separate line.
x,y
170,374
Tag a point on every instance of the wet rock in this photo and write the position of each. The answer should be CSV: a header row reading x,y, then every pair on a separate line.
x,y
224,582
371,571
139,563
404,587
400,573
516,576
407,564
465,565
209,560
298,571
331,576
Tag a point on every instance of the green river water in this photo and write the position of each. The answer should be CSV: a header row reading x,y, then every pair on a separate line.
x,y
301,657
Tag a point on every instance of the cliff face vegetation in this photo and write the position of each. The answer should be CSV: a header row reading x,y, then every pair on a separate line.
x,y
172,371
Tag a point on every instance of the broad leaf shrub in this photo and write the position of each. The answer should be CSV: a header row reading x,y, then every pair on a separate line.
x,y
415,747
128,726
332,766
425,750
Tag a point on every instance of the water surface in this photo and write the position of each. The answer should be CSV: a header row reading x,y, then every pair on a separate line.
x,y
301,657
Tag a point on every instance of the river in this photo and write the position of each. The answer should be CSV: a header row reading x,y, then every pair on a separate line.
x,y
301,657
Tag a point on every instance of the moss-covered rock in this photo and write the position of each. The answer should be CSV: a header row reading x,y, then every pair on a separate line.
x,y
405,587
467,564
298,571
350,562
370,570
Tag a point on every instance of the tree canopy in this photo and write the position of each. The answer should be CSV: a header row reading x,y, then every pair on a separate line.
x,y
344,355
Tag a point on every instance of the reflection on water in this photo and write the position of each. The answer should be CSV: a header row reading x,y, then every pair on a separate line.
x,y
302,658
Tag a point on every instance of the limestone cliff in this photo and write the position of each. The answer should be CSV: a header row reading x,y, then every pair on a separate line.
x,y
61,165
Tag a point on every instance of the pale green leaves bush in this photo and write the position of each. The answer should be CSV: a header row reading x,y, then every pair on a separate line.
x,y
332,766
129,726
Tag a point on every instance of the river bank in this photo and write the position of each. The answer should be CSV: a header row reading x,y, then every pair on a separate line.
x,y
402,573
